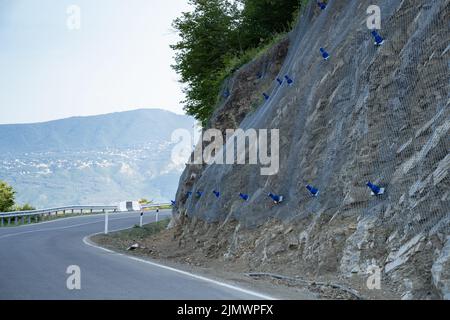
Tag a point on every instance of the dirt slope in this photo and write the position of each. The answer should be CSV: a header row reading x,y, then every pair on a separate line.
x,y
368,113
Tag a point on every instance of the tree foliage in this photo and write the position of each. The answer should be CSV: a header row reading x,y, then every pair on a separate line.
x,y
206,37
25,207
145,201
215,36
262,19
7,195
7,199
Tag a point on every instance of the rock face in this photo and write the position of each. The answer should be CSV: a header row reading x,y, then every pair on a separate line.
x,y
441,271
369,113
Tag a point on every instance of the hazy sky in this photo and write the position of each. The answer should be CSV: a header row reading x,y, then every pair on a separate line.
x,y
119,58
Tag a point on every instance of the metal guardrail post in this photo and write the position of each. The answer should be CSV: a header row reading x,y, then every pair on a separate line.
x,y
2,222
106,223
16,220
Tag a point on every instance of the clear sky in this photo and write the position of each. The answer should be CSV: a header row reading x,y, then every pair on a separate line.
x,y
119,59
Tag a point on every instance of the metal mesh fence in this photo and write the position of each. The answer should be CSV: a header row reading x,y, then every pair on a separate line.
x,y
369,113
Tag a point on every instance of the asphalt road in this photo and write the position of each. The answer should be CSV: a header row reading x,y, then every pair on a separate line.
x,y
34,260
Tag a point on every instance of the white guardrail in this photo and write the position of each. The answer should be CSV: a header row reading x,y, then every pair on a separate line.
x,y
6,218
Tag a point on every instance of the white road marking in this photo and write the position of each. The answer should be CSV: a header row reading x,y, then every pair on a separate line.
x,y
87,215
195,276
87,242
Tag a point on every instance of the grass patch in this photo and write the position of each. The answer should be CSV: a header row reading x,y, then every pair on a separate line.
x,y
233,63
137,233
168,206
121,240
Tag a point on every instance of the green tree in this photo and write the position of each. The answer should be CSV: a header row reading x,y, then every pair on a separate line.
x,y
216,38
25,207
7,195
207,37
145,201
262,19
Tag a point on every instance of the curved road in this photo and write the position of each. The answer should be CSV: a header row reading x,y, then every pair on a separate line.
x,y
34,259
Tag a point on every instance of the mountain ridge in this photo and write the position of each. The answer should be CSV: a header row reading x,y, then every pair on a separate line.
x,y
100,159
91,131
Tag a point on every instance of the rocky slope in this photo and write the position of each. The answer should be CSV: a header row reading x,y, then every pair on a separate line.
x,y
368,113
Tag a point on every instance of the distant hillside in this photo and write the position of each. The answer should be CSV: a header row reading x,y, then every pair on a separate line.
x,y
121,129
96,160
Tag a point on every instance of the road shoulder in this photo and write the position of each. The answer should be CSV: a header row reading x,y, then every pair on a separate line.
x,y
119,241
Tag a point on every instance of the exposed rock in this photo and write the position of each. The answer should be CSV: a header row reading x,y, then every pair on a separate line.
x,y
134,246
379,114
397,258
418,157
441,271
350,262
442,170
356,195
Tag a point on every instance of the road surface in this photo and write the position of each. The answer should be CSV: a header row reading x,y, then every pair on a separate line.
x,y
34,260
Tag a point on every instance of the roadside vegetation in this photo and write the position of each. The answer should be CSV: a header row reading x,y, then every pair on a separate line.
x,y
144,201
218,37
121,240
138,233
7,199
162,207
